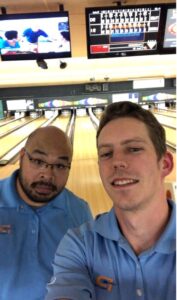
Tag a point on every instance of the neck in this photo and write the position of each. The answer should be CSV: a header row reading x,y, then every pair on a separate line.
x,y
143,229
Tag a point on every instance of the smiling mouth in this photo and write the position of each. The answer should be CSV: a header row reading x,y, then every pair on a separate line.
x,y
124,182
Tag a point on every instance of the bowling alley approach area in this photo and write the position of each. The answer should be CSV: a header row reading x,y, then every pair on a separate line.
x,y
79,117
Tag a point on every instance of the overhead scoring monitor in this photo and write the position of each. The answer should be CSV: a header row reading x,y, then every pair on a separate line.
x,y
169,35
123,31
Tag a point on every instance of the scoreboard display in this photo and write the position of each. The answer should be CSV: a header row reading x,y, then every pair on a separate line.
x,y
169,37
123,31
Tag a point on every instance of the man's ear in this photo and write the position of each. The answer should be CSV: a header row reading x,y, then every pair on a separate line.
x,y
22,153
167,163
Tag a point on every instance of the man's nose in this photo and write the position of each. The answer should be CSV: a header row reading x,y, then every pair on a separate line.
x,y
120,162
47,172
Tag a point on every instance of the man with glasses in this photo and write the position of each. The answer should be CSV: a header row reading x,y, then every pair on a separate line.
x,y
35,212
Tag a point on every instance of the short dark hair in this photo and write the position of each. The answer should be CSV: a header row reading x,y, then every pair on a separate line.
x,y
131,110
65,35
11,34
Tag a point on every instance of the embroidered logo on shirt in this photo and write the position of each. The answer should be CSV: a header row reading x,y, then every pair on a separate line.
x,y
104,282
5,229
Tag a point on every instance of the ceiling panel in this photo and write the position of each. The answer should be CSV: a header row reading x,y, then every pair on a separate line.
x,y
15,6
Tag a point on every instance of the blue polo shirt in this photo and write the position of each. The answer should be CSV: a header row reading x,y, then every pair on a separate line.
x,y
96,262
28,245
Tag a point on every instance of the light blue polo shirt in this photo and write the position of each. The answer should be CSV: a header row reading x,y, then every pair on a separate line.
x,y
27,249
96,262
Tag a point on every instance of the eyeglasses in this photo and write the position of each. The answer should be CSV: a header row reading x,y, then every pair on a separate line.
x,y
41,165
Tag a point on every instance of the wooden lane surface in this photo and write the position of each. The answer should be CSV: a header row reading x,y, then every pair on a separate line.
x,y
12,125
11,140
3,121
166,120
84,179
61,122
84,139
170,135
163,112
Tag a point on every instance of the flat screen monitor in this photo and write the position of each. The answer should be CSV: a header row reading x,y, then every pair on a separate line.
x,y
133,97
22,104
169,33
123,31
35,36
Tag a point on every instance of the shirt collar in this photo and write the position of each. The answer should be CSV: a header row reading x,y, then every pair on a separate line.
x,y
166,243
111,231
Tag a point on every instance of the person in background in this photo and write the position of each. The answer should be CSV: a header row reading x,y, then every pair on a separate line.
x,y
32,35
35,211
1,39
64,40
11,40
128,253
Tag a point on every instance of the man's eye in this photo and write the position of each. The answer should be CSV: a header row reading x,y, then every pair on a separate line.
x,y
61,166
105,155
135,149
38,162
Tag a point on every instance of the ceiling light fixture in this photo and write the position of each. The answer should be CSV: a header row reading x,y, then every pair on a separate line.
x,y
41,63
63,65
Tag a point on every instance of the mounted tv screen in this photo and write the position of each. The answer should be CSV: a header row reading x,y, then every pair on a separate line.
x,y
35,36
123,31
133,97
20,105
169,36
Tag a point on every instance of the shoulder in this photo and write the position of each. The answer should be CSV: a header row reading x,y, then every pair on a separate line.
x,y
8,188
8,180
104,226
73,199
90,228
76,209
81,239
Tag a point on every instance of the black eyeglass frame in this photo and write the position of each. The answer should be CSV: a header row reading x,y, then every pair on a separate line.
x,y
41,164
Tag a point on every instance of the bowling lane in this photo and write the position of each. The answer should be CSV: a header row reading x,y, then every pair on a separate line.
x,y
6,120
61,122
12,125
170,135
166,112
166,120
11,140
84,179
169,124
84,139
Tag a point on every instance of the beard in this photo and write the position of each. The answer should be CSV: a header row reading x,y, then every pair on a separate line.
x,y
38,197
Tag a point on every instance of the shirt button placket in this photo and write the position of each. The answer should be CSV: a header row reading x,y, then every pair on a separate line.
x,y
139,292
139,282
